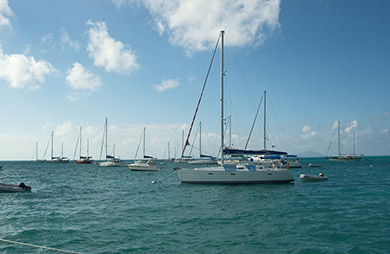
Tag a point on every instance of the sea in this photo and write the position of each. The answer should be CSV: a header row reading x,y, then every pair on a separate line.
x,y
76,208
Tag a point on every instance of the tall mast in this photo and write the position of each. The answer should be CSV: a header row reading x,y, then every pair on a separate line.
x,y
80,138
36,150
353,143
144,142
338,136
222,92
265,124
169,151
106,137
52,145
230,131
87,148
200,140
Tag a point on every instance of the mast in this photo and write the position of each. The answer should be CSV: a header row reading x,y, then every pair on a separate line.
x,y
222,92
200,140
169,151
62,149
80,139
353,143
105,128
36,150
87,148
51,145
265,112
338,136
144,143
230,131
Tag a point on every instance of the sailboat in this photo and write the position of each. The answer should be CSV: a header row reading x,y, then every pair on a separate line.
x,y
36,153
110,161
83,159
232,173
203,159
268,158
56,159
344,157
147,164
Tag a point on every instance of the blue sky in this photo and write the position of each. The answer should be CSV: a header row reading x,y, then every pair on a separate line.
x,y
67,64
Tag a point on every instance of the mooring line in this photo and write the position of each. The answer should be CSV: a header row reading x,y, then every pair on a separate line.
x,y
163,178
39,246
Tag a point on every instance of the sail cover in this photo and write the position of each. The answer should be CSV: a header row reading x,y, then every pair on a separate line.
x,y
231,151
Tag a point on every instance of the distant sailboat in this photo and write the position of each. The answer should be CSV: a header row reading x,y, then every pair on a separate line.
x,y
56,159
36,153
110,161
344,157
83,159
203,159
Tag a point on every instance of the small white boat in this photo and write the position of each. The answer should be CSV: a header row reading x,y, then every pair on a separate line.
x,y
14,187
320,177
313,165
110,163
146,165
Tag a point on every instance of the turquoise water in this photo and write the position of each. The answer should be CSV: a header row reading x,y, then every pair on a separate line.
x,y
89,209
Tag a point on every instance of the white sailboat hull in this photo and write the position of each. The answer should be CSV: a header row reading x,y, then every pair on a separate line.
x,y
143,167
218,175
345,158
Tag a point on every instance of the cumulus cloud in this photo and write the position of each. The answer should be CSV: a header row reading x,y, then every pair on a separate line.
x,y
194,25
20,71
351,126
67,42
109,53
63,129
166,84
79,78
307,132
5,12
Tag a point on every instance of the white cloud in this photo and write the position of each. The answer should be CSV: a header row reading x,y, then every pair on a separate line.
x,y
194,25
307,132
63,129
68,42
166,84
5,11
109,53
79,78
20,71
351,126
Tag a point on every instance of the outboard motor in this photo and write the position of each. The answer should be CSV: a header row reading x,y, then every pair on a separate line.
x,y
25,187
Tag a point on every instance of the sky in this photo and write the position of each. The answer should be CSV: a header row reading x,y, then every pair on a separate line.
x,y
66,64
